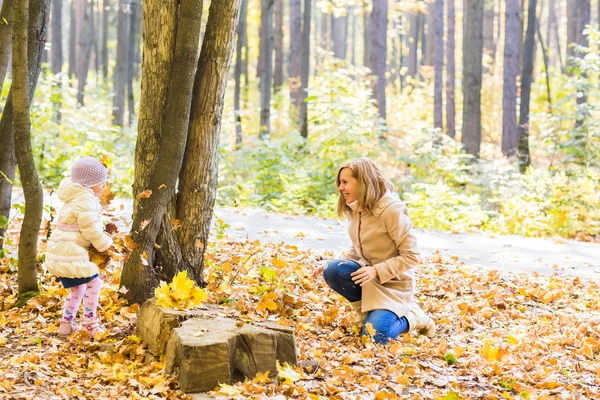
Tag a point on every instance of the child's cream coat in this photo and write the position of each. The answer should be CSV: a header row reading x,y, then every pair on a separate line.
x,y
79,224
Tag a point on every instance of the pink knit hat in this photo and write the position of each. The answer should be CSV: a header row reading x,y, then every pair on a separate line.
x,y
88,172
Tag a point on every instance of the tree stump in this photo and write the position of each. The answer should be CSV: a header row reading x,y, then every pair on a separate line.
x,y
204,349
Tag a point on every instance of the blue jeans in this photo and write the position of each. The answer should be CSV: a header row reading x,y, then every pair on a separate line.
x,y
387,324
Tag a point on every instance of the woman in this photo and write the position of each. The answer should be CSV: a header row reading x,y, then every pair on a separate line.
x,y
377,275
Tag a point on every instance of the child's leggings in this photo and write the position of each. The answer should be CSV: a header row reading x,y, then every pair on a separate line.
x,y
88,292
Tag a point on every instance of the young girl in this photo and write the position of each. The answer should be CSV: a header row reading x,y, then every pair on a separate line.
x,y
78,225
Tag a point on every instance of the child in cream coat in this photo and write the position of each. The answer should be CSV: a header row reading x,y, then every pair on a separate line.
x,y
79,224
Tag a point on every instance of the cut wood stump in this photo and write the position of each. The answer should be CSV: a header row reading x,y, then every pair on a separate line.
x,y
203,348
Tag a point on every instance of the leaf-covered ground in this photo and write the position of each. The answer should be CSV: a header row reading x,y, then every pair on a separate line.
x,y
500,335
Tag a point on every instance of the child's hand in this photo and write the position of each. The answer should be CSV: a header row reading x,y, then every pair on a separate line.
x,y
318,271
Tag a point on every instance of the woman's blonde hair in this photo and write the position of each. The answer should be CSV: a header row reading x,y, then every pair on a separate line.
x,y
371,185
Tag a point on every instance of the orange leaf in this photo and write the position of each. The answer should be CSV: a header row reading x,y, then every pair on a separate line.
x,y
144,195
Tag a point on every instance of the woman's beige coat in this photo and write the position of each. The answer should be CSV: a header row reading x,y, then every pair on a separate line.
x,y
386,240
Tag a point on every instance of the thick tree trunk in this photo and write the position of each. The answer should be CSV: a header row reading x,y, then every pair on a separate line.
x,y
104,45
473,45
489,41
510,130
413,39
141,277
39,11
339,35
526,81
377,34
305,69
266,78
32,189
239,63
295,61
438,106
73,41
120,71
450,73
5,37
278,46
131,61
83,46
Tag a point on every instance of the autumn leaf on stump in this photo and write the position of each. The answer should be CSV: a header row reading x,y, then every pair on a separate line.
x,y
182,293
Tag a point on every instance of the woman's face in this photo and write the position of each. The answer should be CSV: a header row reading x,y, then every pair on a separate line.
x,y
348,185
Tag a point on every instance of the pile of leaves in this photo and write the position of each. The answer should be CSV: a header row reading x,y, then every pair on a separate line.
x,y
500,335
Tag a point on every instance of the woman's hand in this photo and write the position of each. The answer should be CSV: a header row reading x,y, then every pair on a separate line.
x,y
318,271
364,275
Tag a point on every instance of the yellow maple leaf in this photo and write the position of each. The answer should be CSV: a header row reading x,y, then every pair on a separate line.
x,y
181,286
370,330
267,302
182,293
198,296
288,373
163,296
279,263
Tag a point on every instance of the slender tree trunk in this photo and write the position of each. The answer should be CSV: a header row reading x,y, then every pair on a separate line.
x,y
325,32
472,67
140,279
295,61
438,107
266,44
131,61
489,42
246,54
239,62
377,35
39,11
56,55
526,81
510,130
32,189
413,39
429,36
104,45
5,37
83,47
260,65
339,35
572,19
353,38
305,69
194,206
365,15
546,66
583,19
552,37
73,41
120,71
278,46
450,73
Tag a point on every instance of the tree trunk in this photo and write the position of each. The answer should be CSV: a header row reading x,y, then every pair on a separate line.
x,y
583,19
325,32
131,61
72,41
120,71
5,37
489,42
438,107
450,73
266,47
526,81
377,35
546,66
199,176
473,45
305,69
365,19
552,34
239,63
39,11
295,61
278,46
94,35
339,35
56,54
572,19
32,189
429,38
83,47
510,130
353,37
260,64
413,39
104,45
141,277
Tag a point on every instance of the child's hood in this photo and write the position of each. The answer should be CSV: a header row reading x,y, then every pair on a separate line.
x,y
69,190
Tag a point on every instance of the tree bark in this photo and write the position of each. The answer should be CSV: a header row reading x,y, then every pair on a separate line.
x,y
56,53
32,189
140,277
339,34
572,19
489,42
450,73
295,61
104,45
239,63
377,34
305,69
552,34
438,107
546,66
526,81
472,71
510,130
5,37
413,40
72,41
352,12
429,37
131,60
83,46
37,32
199,176
583,19
278,46
120,71
266,48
